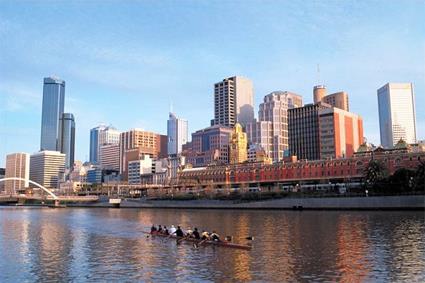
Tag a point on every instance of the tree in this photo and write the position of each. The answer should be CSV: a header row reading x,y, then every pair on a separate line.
x,y
402,180
375,174
419,179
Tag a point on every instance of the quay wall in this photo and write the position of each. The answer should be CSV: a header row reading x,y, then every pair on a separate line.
x,y
411,202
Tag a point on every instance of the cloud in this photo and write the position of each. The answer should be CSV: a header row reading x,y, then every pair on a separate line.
x,y
17,97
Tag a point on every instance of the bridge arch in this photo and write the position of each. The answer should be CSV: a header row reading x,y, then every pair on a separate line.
x,y
55,197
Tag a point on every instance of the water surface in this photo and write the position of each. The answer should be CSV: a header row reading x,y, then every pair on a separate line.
x,y
94,245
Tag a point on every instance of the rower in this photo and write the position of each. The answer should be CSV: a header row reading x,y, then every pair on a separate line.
x,y
205,235
179,232
195,234
189,232
172,230
160,229
153,229
165,231
215,237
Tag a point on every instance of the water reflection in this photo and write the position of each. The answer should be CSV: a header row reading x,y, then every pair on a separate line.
x,y
52,245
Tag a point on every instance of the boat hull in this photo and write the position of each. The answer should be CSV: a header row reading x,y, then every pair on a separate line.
x,y
211,243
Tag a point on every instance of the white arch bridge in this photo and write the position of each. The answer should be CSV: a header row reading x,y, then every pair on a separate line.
x,y
51,195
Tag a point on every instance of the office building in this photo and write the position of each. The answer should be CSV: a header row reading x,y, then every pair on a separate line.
x,y
136,143
67,139
233,102
340,133
136,168
303,129
271,131
177,134
209,145
102,135
397,116
52,110
238,147
47,167
17,165
110,156
337,99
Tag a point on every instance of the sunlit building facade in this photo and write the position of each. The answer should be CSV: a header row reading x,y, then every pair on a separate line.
x,y
397,116
17,165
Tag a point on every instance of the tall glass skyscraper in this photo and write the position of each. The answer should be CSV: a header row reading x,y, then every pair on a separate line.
x,y
67,146
177,134
53,107
397,117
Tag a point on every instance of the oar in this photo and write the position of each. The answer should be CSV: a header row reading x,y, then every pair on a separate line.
x,y
182,239
197,245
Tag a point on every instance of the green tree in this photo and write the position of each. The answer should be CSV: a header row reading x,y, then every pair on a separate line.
x,y
419,179
402,180
375,174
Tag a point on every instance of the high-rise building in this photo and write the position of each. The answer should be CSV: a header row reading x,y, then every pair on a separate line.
x,y
338,100
319,91
53,108
273,136
139,167
110,156
136,143
17,165
303,129
102,135
67,145
340,133
233,102
238,147
397,116
47,167
177,134
209,145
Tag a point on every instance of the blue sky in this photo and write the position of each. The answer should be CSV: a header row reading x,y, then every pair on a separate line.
x,y
124,62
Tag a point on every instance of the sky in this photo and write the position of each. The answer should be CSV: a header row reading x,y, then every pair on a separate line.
x,y
126,62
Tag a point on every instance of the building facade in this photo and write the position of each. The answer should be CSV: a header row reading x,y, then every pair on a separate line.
x,y
17,165
52,111
238,147
337,99
110,156
136,168
177,134
233,102
136,143
67,140
340,133
102,135
397,114
303,129
209,145
273,137
47,167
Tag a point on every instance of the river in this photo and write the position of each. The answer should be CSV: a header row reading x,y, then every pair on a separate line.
x,y
97,244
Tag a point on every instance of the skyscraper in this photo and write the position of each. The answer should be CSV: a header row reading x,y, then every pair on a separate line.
x,y
67,140
136,143
17,165
102,135
397,116
176,133
53,107
238,147
274,109
46,167
233,102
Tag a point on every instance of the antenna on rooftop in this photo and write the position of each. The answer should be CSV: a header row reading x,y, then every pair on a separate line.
x,y
318,74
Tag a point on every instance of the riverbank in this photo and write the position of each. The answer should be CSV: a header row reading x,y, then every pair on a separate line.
x,y
410,202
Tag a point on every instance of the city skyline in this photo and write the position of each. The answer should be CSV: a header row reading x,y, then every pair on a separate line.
x,y
389,53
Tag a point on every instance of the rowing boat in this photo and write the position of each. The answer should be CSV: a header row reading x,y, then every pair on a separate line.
x,y
196,241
